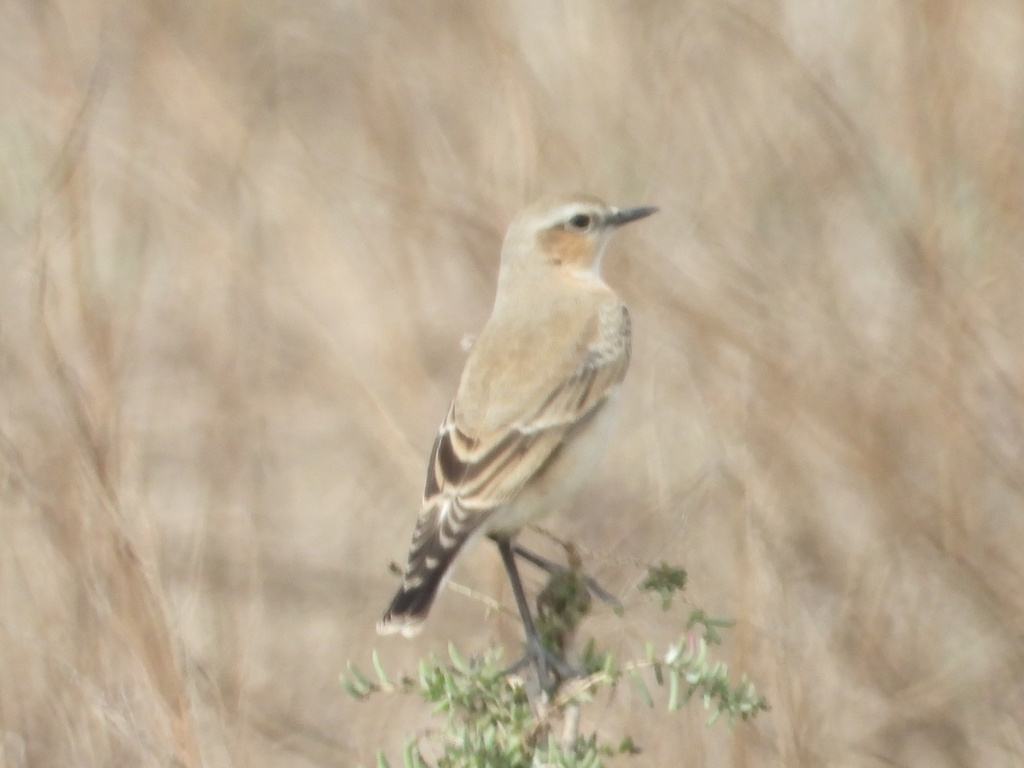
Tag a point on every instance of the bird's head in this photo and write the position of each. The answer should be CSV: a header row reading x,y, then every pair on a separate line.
x,y
568,232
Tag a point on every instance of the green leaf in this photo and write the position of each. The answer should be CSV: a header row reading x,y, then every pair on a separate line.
x,y
356,683
642,687
628,747
457,660
379,668
609,666
353,691
700,659
664,580
359,677
673,690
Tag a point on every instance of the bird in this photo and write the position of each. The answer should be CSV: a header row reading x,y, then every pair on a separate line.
x,y
534,405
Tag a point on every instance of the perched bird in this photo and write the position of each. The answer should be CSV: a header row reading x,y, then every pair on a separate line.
x,y
534,404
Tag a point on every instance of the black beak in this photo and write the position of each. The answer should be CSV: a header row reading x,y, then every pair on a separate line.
x,y
626,215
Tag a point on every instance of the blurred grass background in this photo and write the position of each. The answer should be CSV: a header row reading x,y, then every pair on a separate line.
x,y
239,245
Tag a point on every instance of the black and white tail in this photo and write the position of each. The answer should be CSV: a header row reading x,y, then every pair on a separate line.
x,y
441,531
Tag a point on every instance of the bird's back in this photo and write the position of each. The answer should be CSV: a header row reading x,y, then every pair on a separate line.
x,y
519,359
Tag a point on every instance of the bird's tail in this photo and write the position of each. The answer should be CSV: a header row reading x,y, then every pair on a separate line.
x,y
410,606
437,542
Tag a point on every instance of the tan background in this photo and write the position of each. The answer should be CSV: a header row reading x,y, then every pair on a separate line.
x,y
241,241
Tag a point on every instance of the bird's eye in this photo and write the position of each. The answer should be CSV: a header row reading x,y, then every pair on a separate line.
x,y
581,222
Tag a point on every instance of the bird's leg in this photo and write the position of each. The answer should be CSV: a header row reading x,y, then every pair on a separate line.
x,y
551,668
556,569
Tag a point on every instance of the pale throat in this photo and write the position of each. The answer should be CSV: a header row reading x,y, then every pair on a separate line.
x,y
592,273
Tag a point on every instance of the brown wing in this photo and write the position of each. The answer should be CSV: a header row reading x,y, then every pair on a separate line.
x,y
481,473
469,477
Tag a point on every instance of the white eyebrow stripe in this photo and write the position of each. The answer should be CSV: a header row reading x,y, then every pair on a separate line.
x,y
566,212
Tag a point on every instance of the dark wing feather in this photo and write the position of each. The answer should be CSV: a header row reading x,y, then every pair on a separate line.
x,y
470,476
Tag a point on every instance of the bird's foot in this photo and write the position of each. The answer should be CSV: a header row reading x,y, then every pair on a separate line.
x,y
552,669
557,569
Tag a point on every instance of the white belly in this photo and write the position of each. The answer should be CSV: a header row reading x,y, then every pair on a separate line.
x,y
576,460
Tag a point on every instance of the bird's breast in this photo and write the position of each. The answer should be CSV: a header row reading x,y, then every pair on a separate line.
x,y
572,462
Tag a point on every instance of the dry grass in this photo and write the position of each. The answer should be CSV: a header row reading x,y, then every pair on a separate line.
x,y
241,241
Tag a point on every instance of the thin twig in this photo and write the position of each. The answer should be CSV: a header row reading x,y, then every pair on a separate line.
x,y
487,600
